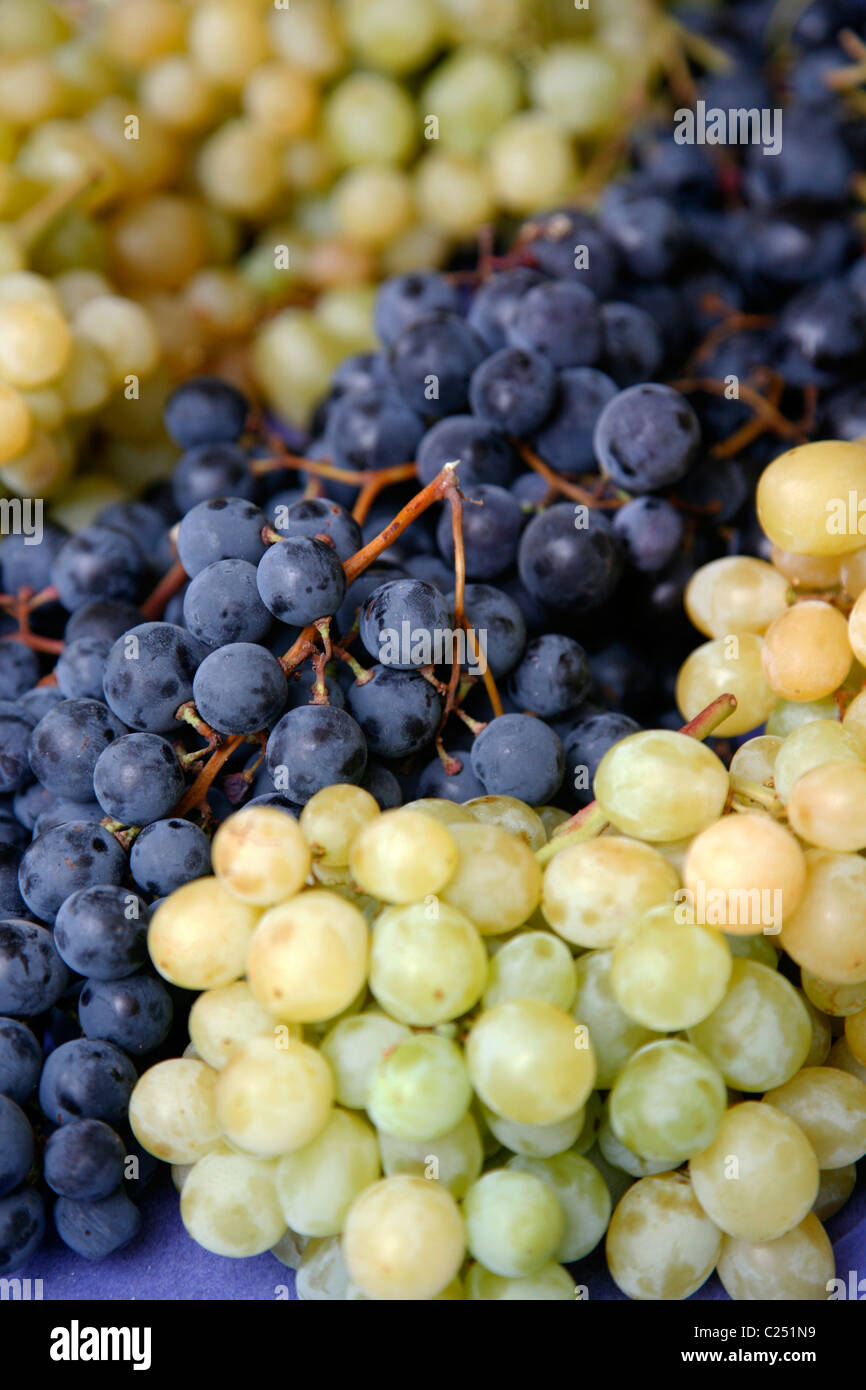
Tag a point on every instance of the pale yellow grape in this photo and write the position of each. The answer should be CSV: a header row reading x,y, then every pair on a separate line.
x,y
735,594
668,1101
535,1141
530,1062
777,1173
309,34
756,759
31,90
239,168
420,1089
178,94
330,877
811,745
322,1274
200,934
672,851
857,628
221,1020
836,1187
788,715
660,1245
222,299
746,873
229,1205
807,652
841,1056
593,890
24,286
403,856
798,1265
428,963
829,1105
531,162
583,1197
31,26
308,956
395,35
497,881
16,423
532,965
827,933
668,974
317,1184
373,204
35,342
827,806
615,1036
136,32
46,407
43,469
760,1034
289,1249
551,817
368,118
260,855
514,1222
454,193
347,312
227,40
332,819
86,382
623,1159
855,1035
837,1000
448,812
822,1034
454,1159
273,1096
417,248
854,720
728,665
660,785
294,356
803,498
852,573
512,815
403,1239
354,1047
123,330
472,92
281,99
172,1110
581,84
550,1284
808,571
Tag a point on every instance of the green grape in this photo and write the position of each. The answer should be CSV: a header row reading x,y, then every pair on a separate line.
x,y
373,204
796,1266
514,1222
317,1184
737,594
530,1062
289,1249
282,100
810,746
615,1036
760,1033
172,1110
788,715
332,818
403,856
532,162
830,1107
746,873
797,491
497,881
273,1096
199,935
472,93
397,36
403,1239
581,84
836,1187
727,665
660,1244
347,312
294,356
822,1034
837,1000
756,759
827,933
535,1141
825,807
551,1283
448,812
551,817
669,975
369,119
261,856
428,963
421,1089
229,1205
223,1019
625,1160
454,1159
661,785
239,169
512,815
582,1194
668,1101
593,890
308,957
855,1034
354,1047
841,1057
532,965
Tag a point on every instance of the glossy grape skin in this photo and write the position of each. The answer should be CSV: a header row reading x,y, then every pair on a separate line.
x,y
809,746
826,934
524,1064
354,1047
615,1036
660,1244
172,1110
421,1089
403,1239
668,1101
807,653
760,1033
582,1194
829,1105
796,494
271,1101
222,605
398,602
798,1265
593,890
425,969
514,1222
659,785
719,668
308,956
403,856
134,1013
735,594
101,932
669,975
84,1160
750,871
86,1079
458,1156
496,880
167,854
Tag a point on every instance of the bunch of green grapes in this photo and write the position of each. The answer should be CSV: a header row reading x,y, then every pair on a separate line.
x,y
442,1052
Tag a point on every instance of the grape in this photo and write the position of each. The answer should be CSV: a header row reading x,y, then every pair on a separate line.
x,y
811,745
373,204
96,1229
439,346
857,629
207,471
531,162
736,594
837,1000
778,1174
646,437
86,1079
101,932
855,1036
535,1141
569,561
317,1184
853,721
668,1101
454,1159
65,858
222,605
420,1089
553,677
529,1062
322,1272
222,528
729,665
369,118
756,759
660,1244
35,342
827,933
403,856
138,779
583,1197
229,1204
496,881
669,975
84,1160
798,1265
531,965
307,958
427,965
134,1013
830,1107
332,819
301,580
520,756
149,675
824,806
512,815
16,1145
167,854
841,1055
661,785
494,305
315,746
354,1048
760,1033
835,1189
20,1060
199,936
403,1239
223,1019
746,872
22,1226
314,517
513,389
281,100
594,890
799,496
273,1097
806,653
260,856
398,711
514,1222
550,1283
615,1036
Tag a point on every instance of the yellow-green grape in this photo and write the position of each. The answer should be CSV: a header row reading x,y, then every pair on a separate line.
x,y
857,629
660,1244
550,1284
31,26
530,1062
810,745
532,162
289,1249
403,1239
593,890
837,1000
736,594
829,1105
448,812
852,573
239,168
855,1035
746,873
804,498
854,720
260,855
760,1034
229,1205
354,1047
293,357
25,287
200,934
843,1058
86,383
798,1265
514,1222
43,468
759,1177
420,1089
728,665
822,1034
472,92
668,974
12,254
668,1101
623,1159
403,856
581,85
417,248
227,39
158,243
661,785
347,312
756,759
615,1036
535,1141
35,342
16,423
317,1184
124,331
807,652
497,881
532,965
222,300
333,818
281,99
397,36
172,1110
373,203
136,32
808,571
788,715
513,815
827,806
178,94
428,963
582,1195
835,1189
309,34
551,817
223,1019
454,1159
454,193
46,408
369,118
273,1096
31,90
827,933
307,957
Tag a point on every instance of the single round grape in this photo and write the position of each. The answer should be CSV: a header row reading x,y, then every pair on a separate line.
x,y
530,1062
803,498
667,1101
736,594
497,880
829,1105
834,999
402,856
660,1244
535,1141
623,1159
448,812
307,957
746,873
798,1265
260,855
35,343
668,974
593,890
514,1222
421,1089
274,1095
579,83
172,1110
531,162
427,963
125,333
239,169
756,759
532,965
789,715
403,1239
615,1036
454,1159
551,1283
229,1204
729,665
354,1047
223,1019
177,94
808,571
454,193
810,745
513,815
660,785
316,1185
333,818
322,1273
281,100
583,1197
373,204
807,652
368,118
777,1172
199,935
760,1033
473,91
855,1036
827,933
827,806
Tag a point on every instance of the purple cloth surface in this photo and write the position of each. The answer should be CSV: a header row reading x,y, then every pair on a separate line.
x,y
163,1263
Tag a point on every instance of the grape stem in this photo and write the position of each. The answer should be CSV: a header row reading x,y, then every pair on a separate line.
x,y
561,485
21,605
171,583
756,792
